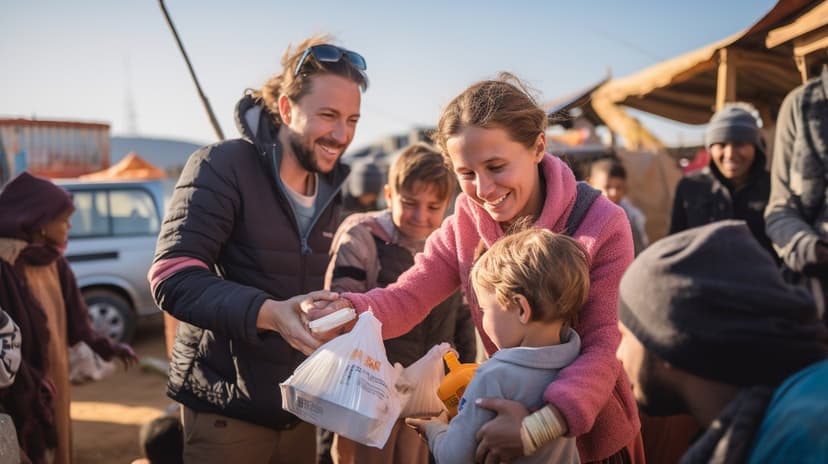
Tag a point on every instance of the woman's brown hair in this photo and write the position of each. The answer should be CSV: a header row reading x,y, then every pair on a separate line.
x,y
504,103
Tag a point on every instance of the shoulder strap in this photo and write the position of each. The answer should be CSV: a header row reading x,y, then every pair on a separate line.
x,y
585,196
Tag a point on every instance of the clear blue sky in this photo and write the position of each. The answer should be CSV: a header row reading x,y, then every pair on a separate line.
x,y
84,59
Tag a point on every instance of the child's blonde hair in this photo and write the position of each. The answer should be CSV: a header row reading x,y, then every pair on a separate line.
x,y
551,270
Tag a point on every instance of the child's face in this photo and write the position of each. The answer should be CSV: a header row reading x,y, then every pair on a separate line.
x,y
502,324
614,188
57,231
417,212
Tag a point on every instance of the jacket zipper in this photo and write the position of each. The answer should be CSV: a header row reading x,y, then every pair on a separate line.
x,y
304,247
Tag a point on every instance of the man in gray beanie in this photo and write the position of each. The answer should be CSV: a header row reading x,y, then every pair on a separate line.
x,y
709,328
735,184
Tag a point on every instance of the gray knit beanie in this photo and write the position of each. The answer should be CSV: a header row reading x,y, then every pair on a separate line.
x,y
365,177
711,302
733,124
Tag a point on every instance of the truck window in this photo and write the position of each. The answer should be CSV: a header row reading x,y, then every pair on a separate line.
x,y
91,217
117,212
133,213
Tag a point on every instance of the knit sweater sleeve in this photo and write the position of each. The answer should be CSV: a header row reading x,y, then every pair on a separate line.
x,y
585,386
9,349
793,237
432,278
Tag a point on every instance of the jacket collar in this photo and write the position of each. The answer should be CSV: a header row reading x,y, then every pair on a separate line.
x,y
545,357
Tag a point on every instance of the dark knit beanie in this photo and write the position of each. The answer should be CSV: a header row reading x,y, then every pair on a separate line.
x,y
733,124
711,302
28,203
365,177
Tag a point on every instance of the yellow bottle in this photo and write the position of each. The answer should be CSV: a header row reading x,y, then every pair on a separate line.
x,y
452,387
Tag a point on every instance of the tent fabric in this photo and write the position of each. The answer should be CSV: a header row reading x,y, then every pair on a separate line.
x,y
651,184
684,88
131,167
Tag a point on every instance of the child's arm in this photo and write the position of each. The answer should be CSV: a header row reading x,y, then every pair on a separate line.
x,y
79,325
457,441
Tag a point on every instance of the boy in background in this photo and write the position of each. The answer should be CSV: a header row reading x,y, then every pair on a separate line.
x,y
609,176
372,250
530,286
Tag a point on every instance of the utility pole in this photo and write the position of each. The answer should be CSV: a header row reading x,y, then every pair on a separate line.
x,y
203,97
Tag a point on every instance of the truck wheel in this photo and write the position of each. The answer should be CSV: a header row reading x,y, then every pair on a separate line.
x,y
111,314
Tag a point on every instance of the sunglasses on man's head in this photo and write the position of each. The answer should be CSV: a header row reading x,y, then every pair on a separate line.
x,y
331,54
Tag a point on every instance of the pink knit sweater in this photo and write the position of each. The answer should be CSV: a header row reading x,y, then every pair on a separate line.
x,y
592,393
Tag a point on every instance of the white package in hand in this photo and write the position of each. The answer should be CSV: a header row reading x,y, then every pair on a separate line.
x,y
332,321
347,386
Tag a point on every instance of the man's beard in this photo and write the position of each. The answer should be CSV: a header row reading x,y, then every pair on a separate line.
x,y
304,155
659,398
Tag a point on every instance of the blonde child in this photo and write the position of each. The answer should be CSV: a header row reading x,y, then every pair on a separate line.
x,y
530,287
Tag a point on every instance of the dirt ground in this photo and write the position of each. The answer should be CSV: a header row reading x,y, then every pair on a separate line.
x,y
107,414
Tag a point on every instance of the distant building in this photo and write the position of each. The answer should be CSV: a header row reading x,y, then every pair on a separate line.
x,y
382,152
169,155
52,148
386,146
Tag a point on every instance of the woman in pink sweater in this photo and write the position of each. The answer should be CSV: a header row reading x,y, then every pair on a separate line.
x,y
493,134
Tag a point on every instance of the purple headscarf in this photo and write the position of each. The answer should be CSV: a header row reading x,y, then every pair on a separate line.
x,y
27,203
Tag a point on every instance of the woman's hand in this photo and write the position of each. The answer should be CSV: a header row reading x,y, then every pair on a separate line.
x,y
499,439
321,308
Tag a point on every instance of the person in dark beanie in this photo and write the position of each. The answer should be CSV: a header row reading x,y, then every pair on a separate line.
x,y
39,292
735,185
363,188
710,328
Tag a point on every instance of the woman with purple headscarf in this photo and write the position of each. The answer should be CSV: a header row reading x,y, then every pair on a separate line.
x,y
39,292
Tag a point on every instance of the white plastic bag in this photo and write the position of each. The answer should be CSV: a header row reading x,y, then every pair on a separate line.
x,y
347,386
419,382
86,365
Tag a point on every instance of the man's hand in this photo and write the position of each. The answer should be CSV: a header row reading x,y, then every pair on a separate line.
x,y
499,439
290,321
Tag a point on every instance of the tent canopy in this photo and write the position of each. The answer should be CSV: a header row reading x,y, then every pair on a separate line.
x,y
738,68
131,167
